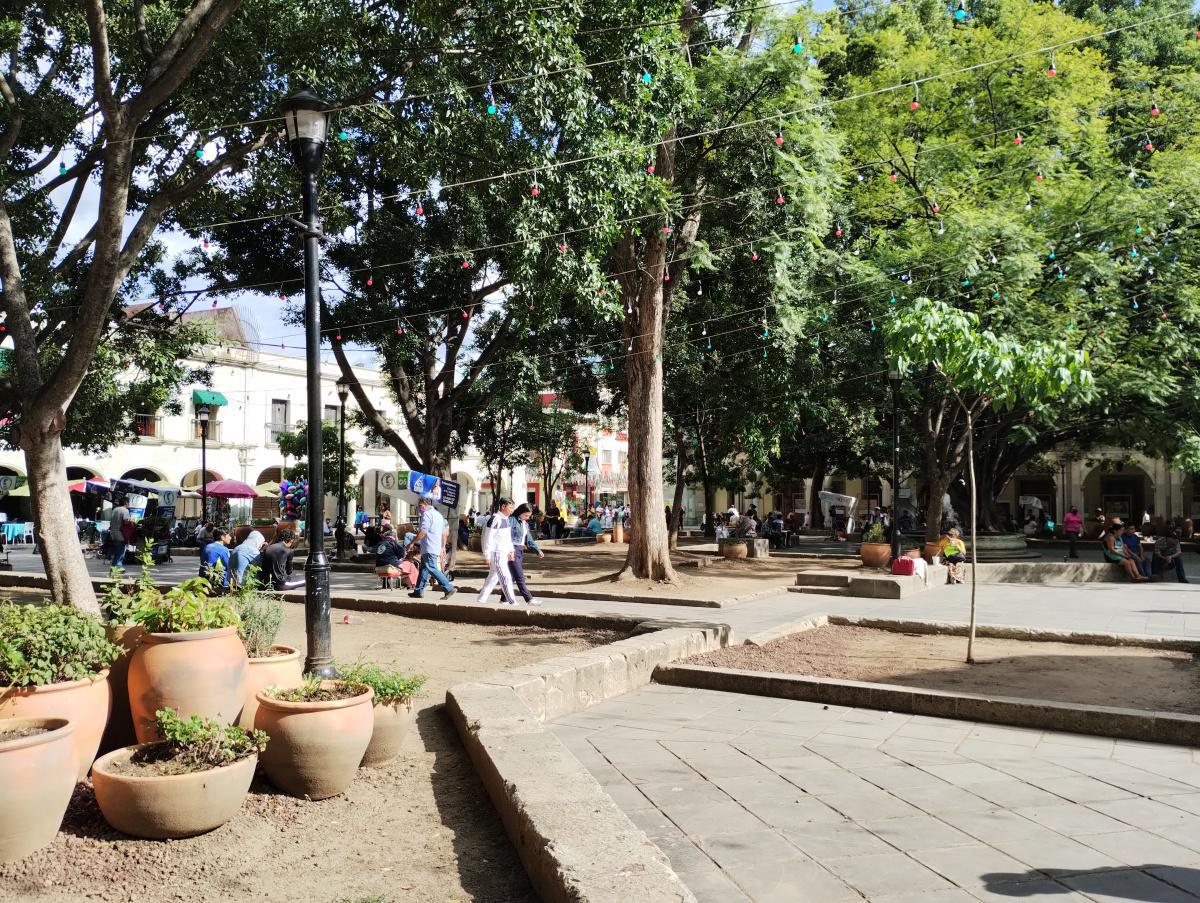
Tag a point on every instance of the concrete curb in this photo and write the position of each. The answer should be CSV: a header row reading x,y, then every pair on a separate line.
x,y
812,622
1030,634
1101,721
575,843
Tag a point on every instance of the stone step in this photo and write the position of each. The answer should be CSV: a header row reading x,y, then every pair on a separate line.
x,y
812,579
820,590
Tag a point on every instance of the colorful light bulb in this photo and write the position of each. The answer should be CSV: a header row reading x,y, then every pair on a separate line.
x,y
838,232
646,77
1149,145
797,45
1040,177
62,167
915,104
892,176
1154,110
491,108
534,191
1051,72
370,280
935,208
779,197
779,139
343,135
1017,139
753,255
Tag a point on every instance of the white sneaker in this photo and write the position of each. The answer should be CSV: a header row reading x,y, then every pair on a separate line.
x,y
534,602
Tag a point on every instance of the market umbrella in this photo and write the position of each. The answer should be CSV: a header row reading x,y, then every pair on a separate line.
x,y
230,489
82,485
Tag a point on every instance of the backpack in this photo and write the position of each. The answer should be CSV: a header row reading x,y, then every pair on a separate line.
x,y
904,566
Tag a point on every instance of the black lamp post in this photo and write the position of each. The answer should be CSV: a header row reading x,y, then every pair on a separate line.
x,y
202,413
894,379
587,478
339,528
306,117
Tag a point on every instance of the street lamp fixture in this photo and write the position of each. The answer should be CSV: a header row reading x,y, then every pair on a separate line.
x,y
339,527
306,117
894,379
202,413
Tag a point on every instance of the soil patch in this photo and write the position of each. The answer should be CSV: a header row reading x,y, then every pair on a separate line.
x,y
1125,676
7,734
161,760
320,694
419,830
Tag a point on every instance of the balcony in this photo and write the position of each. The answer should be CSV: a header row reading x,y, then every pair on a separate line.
x,y
148,427
214,431
275,430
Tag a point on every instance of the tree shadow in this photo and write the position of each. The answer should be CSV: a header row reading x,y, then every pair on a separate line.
x,y
542,636
487,864
1152,883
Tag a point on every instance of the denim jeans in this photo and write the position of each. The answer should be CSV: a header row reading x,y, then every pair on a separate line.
x,y
116,552
430,567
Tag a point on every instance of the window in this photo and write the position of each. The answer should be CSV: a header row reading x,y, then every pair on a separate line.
x,y
148,426
281,420
606,458
624,460
330,414
214,425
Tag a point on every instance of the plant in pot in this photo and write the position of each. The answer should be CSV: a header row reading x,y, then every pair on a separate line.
x,y
54,663
736,547
38,764
392,707
270,664
874,550
319,732
191,781
190,658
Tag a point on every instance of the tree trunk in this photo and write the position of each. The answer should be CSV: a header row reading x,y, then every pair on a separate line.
x,y
710,502
816,517
56,536
649,554
974,556
677,501
935,491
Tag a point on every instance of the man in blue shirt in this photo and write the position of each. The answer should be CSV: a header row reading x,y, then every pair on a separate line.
x,y
431,538
216,551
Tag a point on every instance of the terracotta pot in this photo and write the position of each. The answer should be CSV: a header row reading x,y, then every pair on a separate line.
x,y
931,549
475,542
913,553
315,747
37,775
119,730
604,537
284,670
618,532
737,550
175,805
393,720
198,673
84,703
875,554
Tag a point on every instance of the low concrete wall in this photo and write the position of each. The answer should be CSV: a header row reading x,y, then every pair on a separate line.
x,y
575,843
1029,634
1047,572
1102,721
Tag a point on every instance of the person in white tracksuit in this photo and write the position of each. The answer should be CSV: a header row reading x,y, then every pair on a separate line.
x,y
498,552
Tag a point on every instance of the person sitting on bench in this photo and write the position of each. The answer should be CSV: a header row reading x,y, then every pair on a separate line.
x,y
277,561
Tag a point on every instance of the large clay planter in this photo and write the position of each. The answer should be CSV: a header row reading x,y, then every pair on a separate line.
x,y
176,805
199,673
604,537
931,549
84,703
393,720
37,778
875,554
284,670
618,532
735,550
315,747
119,730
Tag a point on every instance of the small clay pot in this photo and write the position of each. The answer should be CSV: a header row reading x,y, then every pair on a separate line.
x,y
931,550
198,673
284,670
393,721
315,747
603,537
85,703
37,778
119,730
735,550
174,805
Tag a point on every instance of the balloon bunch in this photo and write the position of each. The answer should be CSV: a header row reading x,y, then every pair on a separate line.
x,y
292,499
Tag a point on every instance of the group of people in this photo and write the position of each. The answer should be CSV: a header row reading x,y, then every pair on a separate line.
x,y
225,565
1140,555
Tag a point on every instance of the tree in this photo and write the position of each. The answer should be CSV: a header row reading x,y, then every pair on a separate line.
x,y
551,437
498,432
980,372
132,102
295,445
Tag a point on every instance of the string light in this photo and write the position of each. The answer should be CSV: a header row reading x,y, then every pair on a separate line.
x,y
420,208
370,281
779,138
491,105
1154,110
892,175
1039,177
62,167
1051,72
650,165
646,77
778,196
1149,145
960,12
916,101
1017,139
753,254
797,45
343,135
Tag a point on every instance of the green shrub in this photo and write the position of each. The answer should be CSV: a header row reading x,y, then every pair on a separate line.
x,y
122,597
260,615
196,744
184,608
874,533
389,686
46,644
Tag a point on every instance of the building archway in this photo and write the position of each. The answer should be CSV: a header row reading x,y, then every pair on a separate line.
x,y
14,507
468,491
191,479
264,508
82,472
145,474
1120,489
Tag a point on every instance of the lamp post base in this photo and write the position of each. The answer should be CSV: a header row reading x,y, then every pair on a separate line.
x,y
319,660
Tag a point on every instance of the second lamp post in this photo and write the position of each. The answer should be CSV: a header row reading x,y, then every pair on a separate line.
x,y
339,527
202,413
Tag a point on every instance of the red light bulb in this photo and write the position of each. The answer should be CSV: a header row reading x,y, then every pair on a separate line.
x,y
534,191
915,103
420,210
650,169
666,230
214,304
282,296
399,330
892,175
779,139
936,209
754,255
1149,145
666,276
1154,110
466,316
1017,139
838,232
1051,72
370,280
562,247
779,199
1039,176
338,336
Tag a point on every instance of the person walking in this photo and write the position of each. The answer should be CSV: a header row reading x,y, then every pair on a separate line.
x,y
116,532
522,539
431,539
498,552
1073,526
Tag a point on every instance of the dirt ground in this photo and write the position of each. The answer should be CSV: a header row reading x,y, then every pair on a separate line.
x,y
420,829
1124,676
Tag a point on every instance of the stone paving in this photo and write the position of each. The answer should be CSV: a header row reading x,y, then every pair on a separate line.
x,y
760,799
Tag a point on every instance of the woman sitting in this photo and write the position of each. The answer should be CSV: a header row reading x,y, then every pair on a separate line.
x,y
389,554
1116,553
954,553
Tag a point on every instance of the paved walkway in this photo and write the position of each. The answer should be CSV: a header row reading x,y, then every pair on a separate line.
x,y
759,799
